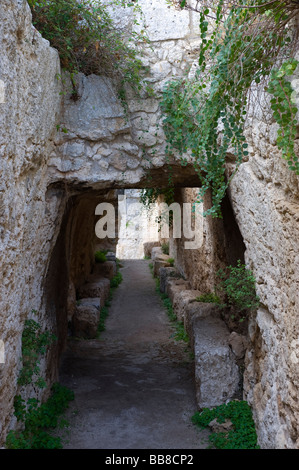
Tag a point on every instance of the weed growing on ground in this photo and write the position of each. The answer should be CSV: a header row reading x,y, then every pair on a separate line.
x,y
114,283
38,420
243,434
180,332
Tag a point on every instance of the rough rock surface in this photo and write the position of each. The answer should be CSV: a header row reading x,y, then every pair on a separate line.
x,y
164,274
216,372
86,318
181,300
95,287
29,112
107,269
174,286
43,170
265,199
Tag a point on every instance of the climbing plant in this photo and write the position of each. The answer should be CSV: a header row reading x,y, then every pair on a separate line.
x,y
34,346
87,39
241,46
37,420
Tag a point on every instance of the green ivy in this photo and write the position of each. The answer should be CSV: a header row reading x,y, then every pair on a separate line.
x,y
242,436
284,111
39,420
150,196
34,345
205,115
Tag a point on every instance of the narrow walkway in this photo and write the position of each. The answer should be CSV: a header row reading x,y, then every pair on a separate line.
x,y
133,386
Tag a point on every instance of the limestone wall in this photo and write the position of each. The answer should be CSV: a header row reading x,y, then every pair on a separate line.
x,y
29,112
104,145
137,227
43,171
265,199
260,225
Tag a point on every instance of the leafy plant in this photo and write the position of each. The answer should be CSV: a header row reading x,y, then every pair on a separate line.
x,y
149,196
243,434
170,261
165,248
180,333
116,280
87,39
284,111
209,297
34,346
114,283
39,420
205,115
238,283
100,257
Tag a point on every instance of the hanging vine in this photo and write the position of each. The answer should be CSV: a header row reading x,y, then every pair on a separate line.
x,y
241,46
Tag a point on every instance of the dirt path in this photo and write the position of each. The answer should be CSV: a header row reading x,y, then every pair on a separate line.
x,y
134,386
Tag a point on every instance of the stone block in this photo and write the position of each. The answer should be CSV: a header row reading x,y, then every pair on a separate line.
x,y
173,286
86,318
156,251
107,269
148,246
164,274
95,287
180,301
238,344
217,375
160,262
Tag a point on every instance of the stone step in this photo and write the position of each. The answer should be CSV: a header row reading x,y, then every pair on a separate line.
x,y
86,318
95,287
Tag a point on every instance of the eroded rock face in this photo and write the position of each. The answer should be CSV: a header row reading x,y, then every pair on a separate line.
x,y
108,145
42,170
29,112
265,198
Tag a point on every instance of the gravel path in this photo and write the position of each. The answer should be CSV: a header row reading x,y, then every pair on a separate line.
x,y
134,386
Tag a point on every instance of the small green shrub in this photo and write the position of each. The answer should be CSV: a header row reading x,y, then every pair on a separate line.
x,y
87,39
114,283
100,257
238,283
243,435
34,346
210,297
39,420
170,261
165,248
116,280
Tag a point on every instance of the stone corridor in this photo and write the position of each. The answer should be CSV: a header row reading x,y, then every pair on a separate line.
x,y
134,385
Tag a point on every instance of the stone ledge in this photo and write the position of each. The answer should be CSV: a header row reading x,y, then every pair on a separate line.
x,y
95,287
180,301
86,318
217,375
174,286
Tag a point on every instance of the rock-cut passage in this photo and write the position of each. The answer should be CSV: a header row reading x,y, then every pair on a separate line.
x,y
134,385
